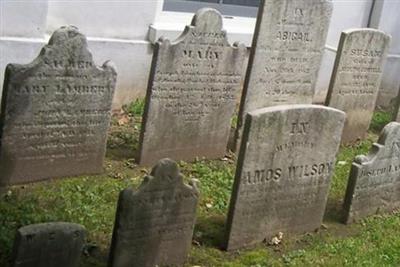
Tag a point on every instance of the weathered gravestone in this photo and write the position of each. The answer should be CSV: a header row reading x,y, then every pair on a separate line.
x,y
396,114
48,245
285,164
356,78
55,112
154,225
192,92
374,182
286,54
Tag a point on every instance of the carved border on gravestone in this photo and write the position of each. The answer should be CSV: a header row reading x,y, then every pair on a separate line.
x,y
154,224
358,116
271,22
217,107
374,181
48,245
284,168
55,112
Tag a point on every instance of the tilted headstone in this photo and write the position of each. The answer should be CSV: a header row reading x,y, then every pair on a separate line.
x,y
154,225
356,78
374,182
48,245
192,93
55,112
396,113
286,54
285,164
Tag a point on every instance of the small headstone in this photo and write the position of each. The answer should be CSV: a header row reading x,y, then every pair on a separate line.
x,y
356,78
154,225
192,93
374,182
286,54
55,112
48,245
285,164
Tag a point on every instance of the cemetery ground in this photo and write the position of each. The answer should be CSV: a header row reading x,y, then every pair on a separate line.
x,y
91,201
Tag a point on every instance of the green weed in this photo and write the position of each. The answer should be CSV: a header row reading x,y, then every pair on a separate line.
x,y
135,108
379,120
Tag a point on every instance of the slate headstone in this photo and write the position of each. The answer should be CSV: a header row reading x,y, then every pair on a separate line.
x,y
374,182
55,112
286,54
192,93
285,164
356,78
48,245
154,225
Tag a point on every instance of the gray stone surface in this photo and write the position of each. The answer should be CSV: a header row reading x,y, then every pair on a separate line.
x,y
48,245
286,54
55,112
154,225
374,182
396,111
356,78
192,93
285,164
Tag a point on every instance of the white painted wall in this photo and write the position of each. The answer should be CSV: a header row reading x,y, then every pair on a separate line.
x,y
128,19
346,14
23,18
120,31
386,17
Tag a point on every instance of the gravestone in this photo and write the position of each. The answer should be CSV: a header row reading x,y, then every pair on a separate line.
x,y
374,182
286,55
154,225
396,114
192,93
48,245
55,112
356,78
285,164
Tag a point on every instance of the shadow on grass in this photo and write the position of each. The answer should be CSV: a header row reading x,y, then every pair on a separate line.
x,y
209,231
121,153
334,212
94,257
122,142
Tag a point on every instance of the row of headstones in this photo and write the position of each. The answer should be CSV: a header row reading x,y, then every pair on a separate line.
x,y
194,81
56,110
285,165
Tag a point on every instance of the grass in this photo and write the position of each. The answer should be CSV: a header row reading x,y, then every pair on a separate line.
x,y
91,201
135,108
379,120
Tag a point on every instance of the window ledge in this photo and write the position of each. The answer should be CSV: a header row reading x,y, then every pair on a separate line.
x,y
171,24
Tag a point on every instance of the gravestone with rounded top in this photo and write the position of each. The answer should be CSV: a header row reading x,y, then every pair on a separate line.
x,y
55,112
356,78
192,92
374,182
286,55
48,245
154,225
284,168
